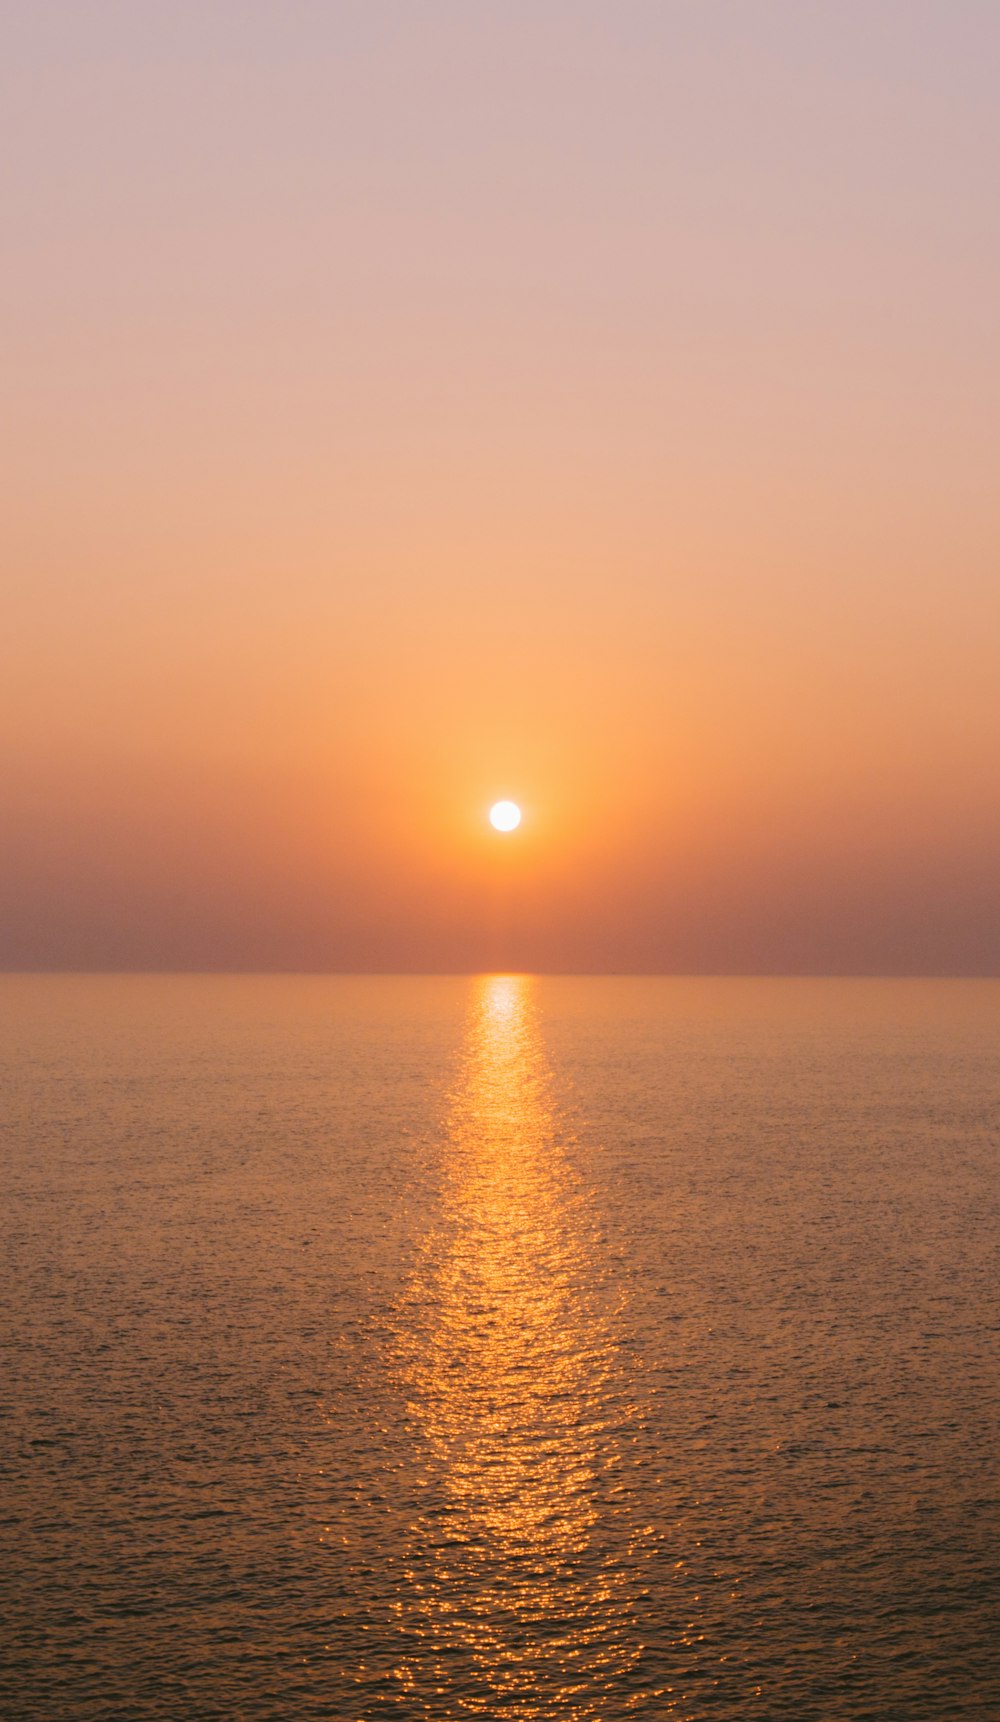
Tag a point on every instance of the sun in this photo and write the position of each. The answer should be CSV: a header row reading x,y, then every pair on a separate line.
x,y
505,816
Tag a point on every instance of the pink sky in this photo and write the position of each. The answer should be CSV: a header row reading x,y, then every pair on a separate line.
x,y
408,406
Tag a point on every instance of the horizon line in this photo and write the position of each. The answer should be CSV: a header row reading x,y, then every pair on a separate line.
x,y
473,974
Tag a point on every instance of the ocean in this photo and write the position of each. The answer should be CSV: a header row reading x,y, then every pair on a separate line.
x,y
499,1347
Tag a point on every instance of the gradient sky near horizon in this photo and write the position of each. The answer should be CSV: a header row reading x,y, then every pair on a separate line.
x,y
408,406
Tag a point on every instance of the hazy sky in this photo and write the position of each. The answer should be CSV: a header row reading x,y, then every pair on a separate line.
x,y
406,405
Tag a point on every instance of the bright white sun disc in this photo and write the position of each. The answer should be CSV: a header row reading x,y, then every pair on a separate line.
x,y
505,816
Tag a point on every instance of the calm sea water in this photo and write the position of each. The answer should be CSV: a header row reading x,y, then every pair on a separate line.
x,y
500,1348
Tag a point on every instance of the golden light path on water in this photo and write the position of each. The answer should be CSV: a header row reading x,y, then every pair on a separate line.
x,y
520,1572
348,1380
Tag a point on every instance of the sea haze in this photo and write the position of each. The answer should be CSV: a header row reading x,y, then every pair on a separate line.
x,y
500,1347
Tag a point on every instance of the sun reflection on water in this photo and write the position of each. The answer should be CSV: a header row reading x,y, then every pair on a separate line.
x,y
519,1570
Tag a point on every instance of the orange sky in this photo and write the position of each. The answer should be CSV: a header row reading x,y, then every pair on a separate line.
x,y
408,406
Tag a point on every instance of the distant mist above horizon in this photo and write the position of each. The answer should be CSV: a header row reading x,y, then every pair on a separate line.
x,y
413,407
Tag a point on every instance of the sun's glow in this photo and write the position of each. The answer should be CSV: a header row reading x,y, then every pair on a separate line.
x,y
505,816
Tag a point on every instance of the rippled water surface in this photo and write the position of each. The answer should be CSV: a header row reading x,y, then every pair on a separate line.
x,y
500,1348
